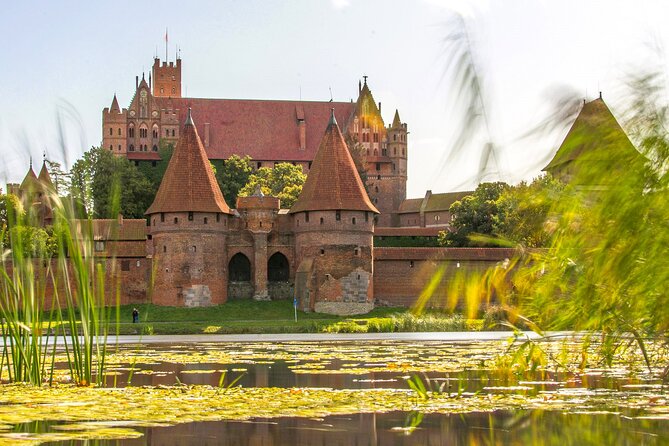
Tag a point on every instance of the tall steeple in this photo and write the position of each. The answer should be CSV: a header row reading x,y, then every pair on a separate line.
x,y
114,105
189,184
333,182
397,123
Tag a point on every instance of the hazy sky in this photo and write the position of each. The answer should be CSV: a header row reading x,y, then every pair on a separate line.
x,y
68,58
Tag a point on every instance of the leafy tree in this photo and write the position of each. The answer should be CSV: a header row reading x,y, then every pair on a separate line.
x,y
155,173
284,181
475,217
61,178
106,184
524,211
232,175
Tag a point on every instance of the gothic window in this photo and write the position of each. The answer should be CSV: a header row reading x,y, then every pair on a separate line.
x,y
384,152
176,220
155,148
131,132
378,166
205,220
376,137
162,217
174,90
306,217
162,90
173,132
155,132
167,132
218,218
376,189
110,147
119,131
394,137
110,131
338,215
190,216
119,147
131,148
321,220
353,220
376,152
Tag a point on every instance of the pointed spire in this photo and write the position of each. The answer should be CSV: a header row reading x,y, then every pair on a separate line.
x,y
44,176
114,105
189,184
595,136
333,182
333,120
189,118
396,120
30,179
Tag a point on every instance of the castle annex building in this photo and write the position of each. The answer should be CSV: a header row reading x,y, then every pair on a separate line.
x,y
269,131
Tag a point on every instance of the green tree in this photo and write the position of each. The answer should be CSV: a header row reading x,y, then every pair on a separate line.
x,y
106,184
284,181
155,170
61,178
475,217
232,175
524,212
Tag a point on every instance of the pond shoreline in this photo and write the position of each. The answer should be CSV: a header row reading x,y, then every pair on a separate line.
x,y
464,336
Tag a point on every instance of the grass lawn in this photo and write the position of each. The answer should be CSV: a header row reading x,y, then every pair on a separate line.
x,y
249,316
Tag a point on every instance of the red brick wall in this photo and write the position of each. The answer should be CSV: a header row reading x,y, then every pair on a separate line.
x,y
401,274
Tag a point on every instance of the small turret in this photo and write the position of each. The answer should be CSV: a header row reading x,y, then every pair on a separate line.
x,y
189,219
333,221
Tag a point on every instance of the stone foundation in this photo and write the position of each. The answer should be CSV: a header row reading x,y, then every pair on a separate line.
x,y
343,308
197,296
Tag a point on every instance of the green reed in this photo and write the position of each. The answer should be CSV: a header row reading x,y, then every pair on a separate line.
x,y
52,297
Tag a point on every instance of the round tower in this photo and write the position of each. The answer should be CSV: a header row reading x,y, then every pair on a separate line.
x,y
333,222
189,220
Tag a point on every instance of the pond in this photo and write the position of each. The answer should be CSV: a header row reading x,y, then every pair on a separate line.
x,y
350,393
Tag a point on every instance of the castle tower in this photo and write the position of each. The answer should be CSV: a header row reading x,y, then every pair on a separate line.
x,y
259,213
333,222
189,220
166,79
114,124
386,181
396,182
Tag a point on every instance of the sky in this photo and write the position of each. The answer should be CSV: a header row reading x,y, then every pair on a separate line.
x,y
62,62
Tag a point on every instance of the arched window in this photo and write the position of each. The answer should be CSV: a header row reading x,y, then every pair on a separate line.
x,y
110,131
278,269
239,268
119,131
172,132
155,148
131,131
131,148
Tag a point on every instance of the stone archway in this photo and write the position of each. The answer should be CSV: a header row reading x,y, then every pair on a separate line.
x,y
278,268
239,277
278,277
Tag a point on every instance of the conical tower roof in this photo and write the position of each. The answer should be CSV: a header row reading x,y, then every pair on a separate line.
x,y
44,177
396,120
114,105
189,184
595,136
333,182
30,180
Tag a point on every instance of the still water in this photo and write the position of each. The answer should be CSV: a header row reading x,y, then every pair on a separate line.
x,y
461,368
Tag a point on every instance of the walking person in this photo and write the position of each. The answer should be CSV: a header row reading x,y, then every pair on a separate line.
x,y
135,315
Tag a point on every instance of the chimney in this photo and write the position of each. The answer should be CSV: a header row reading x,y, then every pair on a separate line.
x,y
302,126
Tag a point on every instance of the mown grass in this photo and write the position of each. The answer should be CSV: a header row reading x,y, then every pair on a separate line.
x,y
248,316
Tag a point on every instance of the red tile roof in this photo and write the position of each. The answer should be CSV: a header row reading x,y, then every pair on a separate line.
x,y
144,156
333,182
189,183
262,129
493,254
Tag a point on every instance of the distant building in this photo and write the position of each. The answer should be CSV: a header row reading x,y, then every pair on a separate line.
x,y
269,131
595,148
